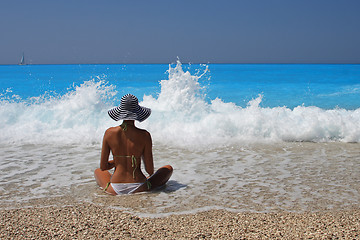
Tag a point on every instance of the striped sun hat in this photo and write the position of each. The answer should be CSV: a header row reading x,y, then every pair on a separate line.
x,y
129,109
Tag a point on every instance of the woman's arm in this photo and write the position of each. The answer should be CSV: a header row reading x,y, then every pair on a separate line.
x,y
105,164
148,156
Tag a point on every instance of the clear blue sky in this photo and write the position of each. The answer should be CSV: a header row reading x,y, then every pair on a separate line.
x,y
159,31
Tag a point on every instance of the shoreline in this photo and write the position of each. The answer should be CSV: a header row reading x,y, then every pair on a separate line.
x,y
87,220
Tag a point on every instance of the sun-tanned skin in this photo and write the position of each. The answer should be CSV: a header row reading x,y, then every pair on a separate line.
x,y
133,141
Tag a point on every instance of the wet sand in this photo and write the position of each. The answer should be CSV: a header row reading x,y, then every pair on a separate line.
x,y
296,191
90,221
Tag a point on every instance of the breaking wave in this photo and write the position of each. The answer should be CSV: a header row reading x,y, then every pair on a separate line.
x,y
181,116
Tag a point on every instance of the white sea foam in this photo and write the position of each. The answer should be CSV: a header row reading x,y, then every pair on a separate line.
x,y
181,116
78,117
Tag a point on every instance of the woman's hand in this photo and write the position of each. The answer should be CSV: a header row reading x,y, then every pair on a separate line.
x,y
111,164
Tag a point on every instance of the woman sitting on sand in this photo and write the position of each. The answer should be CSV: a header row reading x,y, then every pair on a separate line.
x,y
128,144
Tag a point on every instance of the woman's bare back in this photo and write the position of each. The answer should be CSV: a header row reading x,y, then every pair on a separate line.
x,y
128,145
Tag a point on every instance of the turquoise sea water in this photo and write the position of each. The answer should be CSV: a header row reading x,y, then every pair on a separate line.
x,y
291,85
273,136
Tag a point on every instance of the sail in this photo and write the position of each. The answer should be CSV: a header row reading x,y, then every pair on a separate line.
x,y
22,61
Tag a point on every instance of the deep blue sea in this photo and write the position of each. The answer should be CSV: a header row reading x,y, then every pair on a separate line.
x,y
273,136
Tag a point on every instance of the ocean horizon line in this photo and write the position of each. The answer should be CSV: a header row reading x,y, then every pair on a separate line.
x,y
184,63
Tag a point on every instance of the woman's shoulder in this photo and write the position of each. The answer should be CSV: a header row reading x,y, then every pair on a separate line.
x,y
112,130
115,130
143,131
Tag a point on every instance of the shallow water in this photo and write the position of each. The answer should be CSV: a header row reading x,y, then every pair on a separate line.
x,y
255,177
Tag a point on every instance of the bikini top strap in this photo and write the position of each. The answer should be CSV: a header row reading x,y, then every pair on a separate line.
x,y
124,126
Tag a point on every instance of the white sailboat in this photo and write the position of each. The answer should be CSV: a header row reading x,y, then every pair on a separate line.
x,y
22,61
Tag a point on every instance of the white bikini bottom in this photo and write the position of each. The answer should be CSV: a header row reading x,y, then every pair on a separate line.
x,y
124,188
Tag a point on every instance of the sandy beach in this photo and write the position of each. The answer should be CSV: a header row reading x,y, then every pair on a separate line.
x,y
89,221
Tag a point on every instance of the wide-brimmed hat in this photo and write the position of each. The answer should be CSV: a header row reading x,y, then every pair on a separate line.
x,y
129,109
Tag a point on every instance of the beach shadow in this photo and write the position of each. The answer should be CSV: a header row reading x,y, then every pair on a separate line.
x,y
171,186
